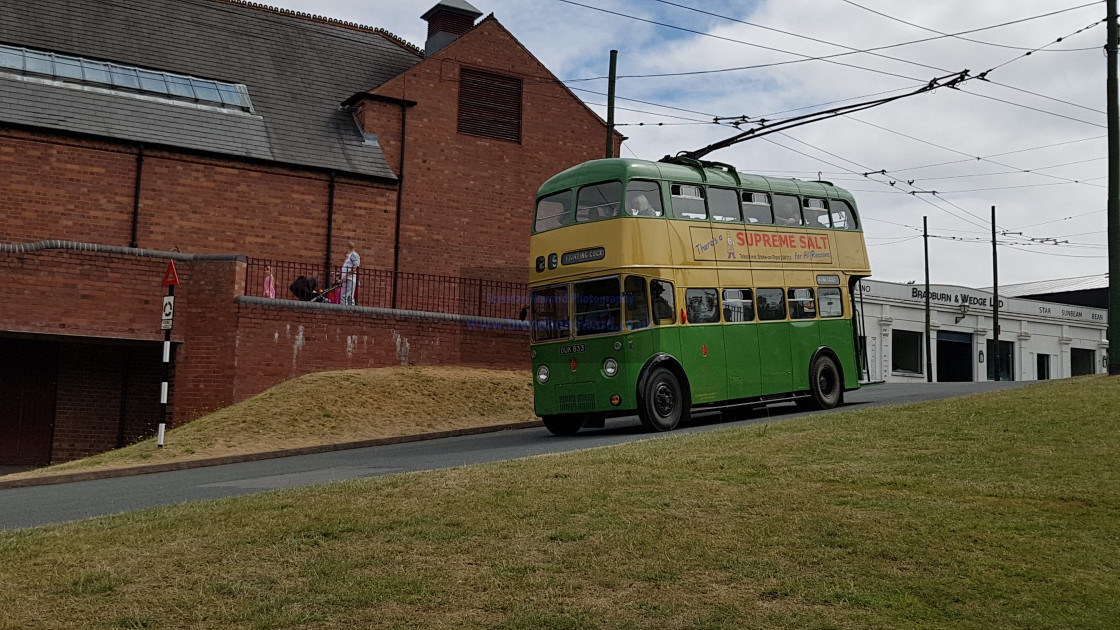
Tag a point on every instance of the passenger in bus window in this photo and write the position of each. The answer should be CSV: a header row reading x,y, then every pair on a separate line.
x,y
816,217
641,207
787,210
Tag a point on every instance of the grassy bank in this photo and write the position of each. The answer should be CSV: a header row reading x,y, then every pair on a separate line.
x,y
993,511
335,407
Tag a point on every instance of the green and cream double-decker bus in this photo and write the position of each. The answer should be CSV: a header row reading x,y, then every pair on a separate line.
x,y
662,287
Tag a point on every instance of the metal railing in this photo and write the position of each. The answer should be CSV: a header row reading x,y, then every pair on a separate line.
x,y
385,289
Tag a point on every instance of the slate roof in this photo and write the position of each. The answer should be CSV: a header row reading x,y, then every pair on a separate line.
x,y
297,69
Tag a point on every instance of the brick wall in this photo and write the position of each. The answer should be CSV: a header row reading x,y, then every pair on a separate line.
x,y
108,396
468,200
66,188
287,339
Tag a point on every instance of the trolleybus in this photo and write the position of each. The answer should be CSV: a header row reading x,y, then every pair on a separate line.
x,y
657,288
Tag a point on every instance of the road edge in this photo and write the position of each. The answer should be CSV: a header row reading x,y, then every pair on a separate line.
x,y
110,473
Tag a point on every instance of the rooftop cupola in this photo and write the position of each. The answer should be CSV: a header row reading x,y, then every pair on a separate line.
x,y
446,22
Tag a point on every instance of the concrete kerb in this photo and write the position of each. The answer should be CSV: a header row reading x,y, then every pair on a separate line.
x,y
91,475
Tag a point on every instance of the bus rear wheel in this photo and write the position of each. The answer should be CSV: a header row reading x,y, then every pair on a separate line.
x,y
563,424
825,387
662,403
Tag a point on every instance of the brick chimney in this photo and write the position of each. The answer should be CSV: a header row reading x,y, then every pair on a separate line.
x,y
446,22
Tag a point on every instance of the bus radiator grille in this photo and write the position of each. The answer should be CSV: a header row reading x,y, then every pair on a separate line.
x,y
577,402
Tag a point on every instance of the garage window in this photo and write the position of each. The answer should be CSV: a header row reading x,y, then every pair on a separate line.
x,y
906,353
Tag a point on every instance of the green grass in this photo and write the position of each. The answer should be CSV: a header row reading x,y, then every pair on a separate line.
x,y
994,511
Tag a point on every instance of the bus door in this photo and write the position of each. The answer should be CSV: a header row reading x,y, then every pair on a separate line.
x,y
703,354
740,336
774,342
804,333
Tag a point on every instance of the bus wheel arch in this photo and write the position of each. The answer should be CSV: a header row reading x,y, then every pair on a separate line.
x,y
826,380
663,394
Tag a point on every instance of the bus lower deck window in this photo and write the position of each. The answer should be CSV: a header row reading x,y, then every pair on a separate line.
x,y
664,309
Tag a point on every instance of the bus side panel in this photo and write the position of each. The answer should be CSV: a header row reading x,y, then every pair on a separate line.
x,y
804,340
774,357
703,357
744,374
837,334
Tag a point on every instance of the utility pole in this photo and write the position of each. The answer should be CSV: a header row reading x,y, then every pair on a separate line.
x,y
1113,196
929,359
610,106
995,300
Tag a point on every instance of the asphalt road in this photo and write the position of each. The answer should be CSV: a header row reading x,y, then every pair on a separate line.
x,y
41,505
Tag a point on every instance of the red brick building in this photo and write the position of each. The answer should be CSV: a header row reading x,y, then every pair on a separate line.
x,y
226,136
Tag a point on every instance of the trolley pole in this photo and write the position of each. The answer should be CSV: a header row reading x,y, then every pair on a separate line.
x,y
929,358
610,106
1113,196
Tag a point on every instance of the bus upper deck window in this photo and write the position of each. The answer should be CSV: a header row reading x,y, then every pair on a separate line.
x,y
600,201
643,199
816,213
756,208
843,217
724,204
787,210
688,202
553,211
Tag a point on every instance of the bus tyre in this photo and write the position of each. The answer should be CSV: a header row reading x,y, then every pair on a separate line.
x,y
662,403
825,387
564,424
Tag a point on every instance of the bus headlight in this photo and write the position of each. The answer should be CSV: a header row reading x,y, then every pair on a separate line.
x,y
542,374
610,367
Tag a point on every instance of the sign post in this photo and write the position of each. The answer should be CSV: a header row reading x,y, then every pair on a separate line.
x,y
170,280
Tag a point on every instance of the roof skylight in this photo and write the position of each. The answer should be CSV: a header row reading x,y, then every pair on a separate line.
x,y
129,78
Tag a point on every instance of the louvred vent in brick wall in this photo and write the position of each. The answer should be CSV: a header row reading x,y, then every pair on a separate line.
x,y
489,105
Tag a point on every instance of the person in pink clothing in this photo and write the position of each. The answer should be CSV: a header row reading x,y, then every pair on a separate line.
x,y
269,282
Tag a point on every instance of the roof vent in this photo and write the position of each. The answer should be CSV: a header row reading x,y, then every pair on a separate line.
x,y
446,22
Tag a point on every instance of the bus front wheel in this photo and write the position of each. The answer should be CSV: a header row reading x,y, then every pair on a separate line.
x,y
825,387
564,424
662,403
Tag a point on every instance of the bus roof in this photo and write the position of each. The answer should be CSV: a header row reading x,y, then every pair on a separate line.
x,y
711,173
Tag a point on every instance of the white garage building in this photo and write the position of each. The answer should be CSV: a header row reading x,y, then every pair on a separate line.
x,y
1038,340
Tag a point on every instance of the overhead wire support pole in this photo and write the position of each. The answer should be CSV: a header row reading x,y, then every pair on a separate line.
x,y
995,353
929,359
610,105
1113,195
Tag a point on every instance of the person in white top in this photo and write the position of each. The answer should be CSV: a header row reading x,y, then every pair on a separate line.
x,y
349,275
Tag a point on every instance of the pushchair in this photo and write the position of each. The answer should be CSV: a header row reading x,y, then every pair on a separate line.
x,y
307,290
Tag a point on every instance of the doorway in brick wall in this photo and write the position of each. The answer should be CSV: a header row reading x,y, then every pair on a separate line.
x,y
28,387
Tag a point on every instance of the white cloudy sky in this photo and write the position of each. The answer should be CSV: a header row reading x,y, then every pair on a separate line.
x,y
1042,112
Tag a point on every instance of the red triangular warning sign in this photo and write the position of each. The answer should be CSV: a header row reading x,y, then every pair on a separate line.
x,y
170,277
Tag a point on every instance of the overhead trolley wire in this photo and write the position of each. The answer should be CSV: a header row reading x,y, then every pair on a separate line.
x,y
958,35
